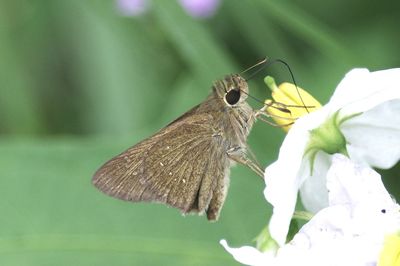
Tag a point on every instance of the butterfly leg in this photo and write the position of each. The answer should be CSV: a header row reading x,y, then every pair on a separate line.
x,y
263,116
239,155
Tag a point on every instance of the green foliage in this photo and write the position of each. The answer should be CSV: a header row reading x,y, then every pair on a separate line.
x,y
53,216
80,69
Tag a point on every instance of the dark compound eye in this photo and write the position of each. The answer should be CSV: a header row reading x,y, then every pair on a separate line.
x,y
232,96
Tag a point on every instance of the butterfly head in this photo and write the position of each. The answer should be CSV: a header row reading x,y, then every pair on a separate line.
x,y
233,89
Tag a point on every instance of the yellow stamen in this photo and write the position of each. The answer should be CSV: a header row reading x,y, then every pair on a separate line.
x,y
286,96
390,255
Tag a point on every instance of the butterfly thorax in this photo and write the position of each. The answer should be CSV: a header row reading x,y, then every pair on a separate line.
x,y
233,118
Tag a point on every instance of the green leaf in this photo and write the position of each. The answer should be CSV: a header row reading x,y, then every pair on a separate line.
x,y
53,215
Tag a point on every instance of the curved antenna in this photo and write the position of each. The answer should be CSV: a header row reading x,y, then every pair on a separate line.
x,y
292,76
266,63
253,66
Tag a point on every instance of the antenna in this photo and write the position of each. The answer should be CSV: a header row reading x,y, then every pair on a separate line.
x,y
292,76
264,61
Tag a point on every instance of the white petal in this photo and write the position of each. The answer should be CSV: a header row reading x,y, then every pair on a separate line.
x,y
285,176
314,194
328,239
323,239
381,86
350,88
352,183
373,210
374,136
283,180
361,90
297,255
282,197
249,255
351,230
327,225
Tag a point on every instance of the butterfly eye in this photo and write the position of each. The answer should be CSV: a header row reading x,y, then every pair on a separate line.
x,y
232,97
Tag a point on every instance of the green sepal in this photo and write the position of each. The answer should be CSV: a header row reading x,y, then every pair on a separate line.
x,y
264,241
328,138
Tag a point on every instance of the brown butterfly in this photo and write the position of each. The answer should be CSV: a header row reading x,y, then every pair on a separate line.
x,y
186,164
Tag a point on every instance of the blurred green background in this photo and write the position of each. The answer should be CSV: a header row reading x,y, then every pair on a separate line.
x,y
80,82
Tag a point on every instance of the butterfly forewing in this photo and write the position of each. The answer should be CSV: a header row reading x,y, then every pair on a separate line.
x,y
163,169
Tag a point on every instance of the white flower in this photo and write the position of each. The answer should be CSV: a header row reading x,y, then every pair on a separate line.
x,y
360,214
361,119
350,231
250,255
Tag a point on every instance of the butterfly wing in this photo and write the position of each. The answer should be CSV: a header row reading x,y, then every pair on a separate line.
x,y
182,165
